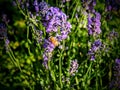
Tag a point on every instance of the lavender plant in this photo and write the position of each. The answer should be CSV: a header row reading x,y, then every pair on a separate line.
x,y
115,83
61,45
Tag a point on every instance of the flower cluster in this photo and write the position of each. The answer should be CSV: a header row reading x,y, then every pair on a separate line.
x,y
95,47
74,67
116,81
3,31
56,25
89,5
38,35
41,7
93,17
23,4
94,24
113,35
3,35
112,5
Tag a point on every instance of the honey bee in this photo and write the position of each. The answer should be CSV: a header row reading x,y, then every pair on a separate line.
x,y
54,41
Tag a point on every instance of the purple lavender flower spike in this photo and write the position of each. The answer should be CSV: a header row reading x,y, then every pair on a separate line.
x,y
117,61
36,6
43,7
113,35
3,31
92,57
89,5
115,83
49,47
94,24
95,47
55,22
6,45
74,67
38,36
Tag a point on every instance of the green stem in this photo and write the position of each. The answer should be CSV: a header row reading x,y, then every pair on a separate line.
x,y
13,57
20,8
96,82
73,14
60,66
32,20
60,72
27,33
86,75
28,40
77,82
88,70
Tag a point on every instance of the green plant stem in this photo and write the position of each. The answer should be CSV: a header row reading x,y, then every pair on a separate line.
x,y
20,8
77,82
28,40
73,14
60,71
96,83
13,58
60,66
86,75
32,20
27,33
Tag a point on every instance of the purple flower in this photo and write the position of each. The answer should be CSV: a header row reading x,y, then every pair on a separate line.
x,y
54,19
89,5
74,67
56,25
48,48
117,61
46,56
36,6
3,31
94,24
3,35
48,45
38,35
112,5
43,7
92,57
95,47
115,83
6,45
113,35
64,32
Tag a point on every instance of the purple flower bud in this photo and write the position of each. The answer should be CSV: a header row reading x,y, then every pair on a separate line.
x,y
113,35
3,31
6,45
117,61
48,45
94,24
74,67
38,35
92,57
115,83
55,23
95,46
89,5
43,7
36,6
